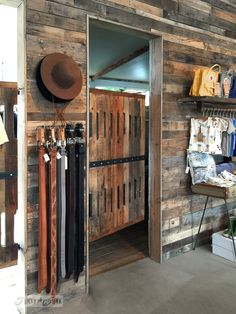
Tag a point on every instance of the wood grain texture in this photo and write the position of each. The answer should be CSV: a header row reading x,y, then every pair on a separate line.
x,y
117,131
195,34
155,149
119,249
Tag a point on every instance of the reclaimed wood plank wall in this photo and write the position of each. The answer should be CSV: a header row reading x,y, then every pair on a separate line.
x,y
195,33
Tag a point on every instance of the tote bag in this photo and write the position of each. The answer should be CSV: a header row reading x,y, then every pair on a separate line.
x,y
205,80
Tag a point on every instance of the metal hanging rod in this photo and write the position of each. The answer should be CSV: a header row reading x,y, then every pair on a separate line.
x,y
219,112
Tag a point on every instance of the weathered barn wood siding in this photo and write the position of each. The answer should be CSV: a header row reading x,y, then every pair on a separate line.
x,y
195,33
50,27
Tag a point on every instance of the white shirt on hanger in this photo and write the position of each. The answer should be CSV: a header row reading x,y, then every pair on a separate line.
x,y
206,135
3,134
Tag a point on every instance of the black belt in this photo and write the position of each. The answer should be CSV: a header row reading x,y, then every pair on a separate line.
x,y
70,210
79,247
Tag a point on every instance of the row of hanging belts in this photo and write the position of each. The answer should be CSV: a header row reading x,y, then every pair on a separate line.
x,y
219,112
61,205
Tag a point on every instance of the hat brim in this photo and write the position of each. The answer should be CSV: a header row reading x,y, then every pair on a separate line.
x,y
47,84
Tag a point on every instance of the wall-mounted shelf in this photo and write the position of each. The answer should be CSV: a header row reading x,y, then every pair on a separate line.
x,y
203,102
208,100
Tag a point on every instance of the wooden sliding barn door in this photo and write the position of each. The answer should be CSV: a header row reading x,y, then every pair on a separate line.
x,y
117,166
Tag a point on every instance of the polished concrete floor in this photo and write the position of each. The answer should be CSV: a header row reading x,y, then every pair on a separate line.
x,y
196,282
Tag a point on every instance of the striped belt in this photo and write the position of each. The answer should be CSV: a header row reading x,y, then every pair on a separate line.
x,y
52,226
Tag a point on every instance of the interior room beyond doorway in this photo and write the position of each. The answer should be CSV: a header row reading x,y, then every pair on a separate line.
x,y
119,112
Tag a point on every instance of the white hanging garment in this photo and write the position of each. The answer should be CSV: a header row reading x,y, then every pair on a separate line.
x,y
3,134
206,135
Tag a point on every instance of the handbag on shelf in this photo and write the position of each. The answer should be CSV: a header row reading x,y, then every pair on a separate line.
x,y
226,81
205,80
232,93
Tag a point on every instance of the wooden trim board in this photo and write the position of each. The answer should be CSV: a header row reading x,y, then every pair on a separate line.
x,y
155,134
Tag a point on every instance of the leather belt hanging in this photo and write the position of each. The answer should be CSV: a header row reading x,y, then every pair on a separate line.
x,y
59,207
63,206
51,217
79,244
42,235
48,196
53,222
63,213
70,203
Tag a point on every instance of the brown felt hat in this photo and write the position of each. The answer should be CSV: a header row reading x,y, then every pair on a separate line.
x,y
60,76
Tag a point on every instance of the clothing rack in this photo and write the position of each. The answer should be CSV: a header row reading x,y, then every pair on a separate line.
x,y
219,112
208,190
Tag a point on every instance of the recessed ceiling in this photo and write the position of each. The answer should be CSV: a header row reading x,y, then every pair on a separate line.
x,y
109,44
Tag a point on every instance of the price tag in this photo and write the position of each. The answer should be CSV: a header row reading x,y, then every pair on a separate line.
x,y
187,169
58,155
46,157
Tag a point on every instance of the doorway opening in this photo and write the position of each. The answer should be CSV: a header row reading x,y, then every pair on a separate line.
x,y
119,90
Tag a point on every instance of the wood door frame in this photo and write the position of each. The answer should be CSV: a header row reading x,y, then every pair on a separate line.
x,y
155,150
155,136
20,5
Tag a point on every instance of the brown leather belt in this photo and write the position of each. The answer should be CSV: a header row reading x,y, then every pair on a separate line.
x,y
53,229
42,235
48,188
59,218
52,225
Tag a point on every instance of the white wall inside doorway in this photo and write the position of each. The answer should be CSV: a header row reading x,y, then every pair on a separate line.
x,y
8,43
12,279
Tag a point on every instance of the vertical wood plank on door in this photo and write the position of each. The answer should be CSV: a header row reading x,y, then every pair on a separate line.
x,y
113,111
120,181
155,132
93,136
115,199
119,127
94,219
141,188
100,197
125,202
126,126
141,126
109,213
102,206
